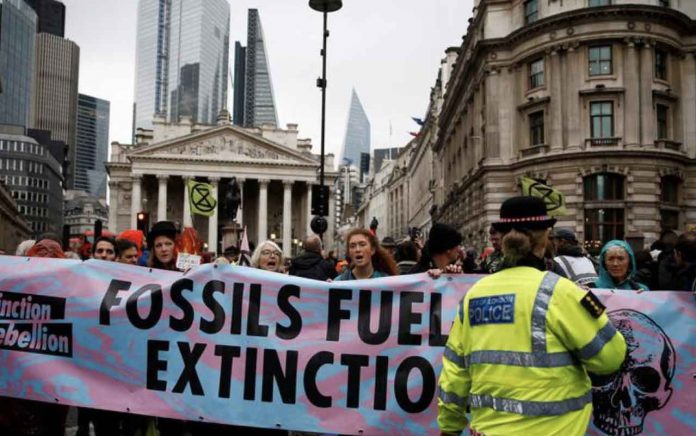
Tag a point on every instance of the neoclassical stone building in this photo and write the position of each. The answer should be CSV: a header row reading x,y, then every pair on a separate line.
x,y
274,169
595,98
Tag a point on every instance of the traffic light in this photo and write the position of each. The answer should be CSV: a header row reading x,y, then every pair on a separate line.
x,y
143,220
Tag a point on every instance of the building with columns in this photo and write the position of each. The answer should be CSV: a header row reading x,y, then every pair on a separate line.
x,y
594,98
274,169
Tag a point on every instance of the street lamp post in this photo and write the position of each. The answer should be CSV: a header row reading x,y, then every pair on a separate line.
x,y
319,224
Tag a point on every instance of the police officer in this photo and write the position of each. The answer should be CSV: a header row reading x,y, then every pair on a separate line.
x,y
523,341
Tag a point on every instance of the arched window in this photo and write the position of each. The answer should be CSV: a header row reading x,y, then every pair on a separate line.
x,y
604,195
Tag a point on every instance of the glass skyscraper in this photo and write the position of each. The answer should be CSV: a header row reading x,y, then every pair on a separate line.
x,y
92,145
17,38
182,59
357,139
253,91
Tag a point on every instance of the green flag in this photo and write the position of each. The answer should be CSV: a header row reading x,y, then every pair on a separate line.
x,y
201,198
555,200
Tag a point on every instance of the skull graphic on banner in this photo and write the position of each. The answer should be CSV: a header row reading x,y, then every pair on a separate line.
x,y
622,400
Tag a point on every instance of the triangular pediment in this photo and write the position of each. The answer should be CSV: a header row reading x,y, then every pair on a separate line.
x,y
224,143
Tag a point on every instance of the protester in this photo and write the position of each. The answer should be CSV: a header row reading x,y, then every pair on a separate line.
x,y
493,261
570,256
26,417
617,267
231,254
46,248
441,249
137,237
127,251
523,340
389,244
682,273
104,248
310,264
24,246
646,269
161,242
406,256
267,256
368,259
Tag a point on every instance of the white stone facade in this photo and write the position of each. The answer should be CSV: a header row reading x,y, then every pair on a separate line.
x,y
275,171
609,122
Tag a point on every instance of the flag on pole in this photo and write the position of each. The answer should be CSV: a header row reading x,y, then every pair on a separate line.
x,y
244,251
554,199
202,198
418,121
414,134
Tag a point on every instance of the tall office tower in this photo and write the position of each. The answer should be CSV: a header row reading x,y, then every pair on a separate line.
x,y
92,145
182,60
257,99
54,106
357,139
239,83
51,14
17,37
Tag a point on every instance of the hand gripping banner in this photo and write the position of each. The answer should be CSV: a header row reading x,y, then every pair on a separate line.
x,y
242,346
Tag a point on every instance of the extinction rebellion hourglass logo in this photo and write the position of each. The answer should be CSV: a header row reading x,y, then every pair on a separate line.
x,y
26,324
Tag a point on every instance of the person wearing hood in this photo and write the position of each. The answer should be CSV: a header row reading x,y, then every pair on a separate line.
x,y
617,267
310,264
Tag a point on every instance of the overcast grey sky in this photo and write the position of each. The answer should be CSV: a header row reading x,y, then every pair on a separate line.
x,y
388,50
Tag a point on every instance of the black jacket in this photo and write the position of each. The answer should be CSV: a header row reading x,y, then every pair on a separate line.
x,y
312,266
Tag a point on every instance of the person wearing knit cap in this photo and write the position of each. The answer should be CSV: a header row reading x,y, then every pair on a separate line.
x,y
441,250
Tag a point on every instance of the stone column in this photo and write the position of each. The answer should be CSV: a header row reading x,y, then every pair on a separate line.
x,y
555,117
213,219
240,211
309,208
632,100
287,218
574,66
136,200
647,123
162,197
186,220
492,89
263,211
113,206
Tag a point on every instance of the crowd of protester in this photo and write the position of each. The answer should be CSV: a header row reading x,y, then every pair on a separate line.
x,y
669,264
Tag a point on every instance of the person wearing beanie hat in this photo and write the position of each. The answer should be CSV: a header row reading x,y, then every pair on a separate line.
x,y
523,341
441,251
162,244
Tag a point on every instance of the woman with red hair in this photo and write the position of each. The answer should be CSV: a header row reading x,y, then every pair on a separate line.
x,y
368,260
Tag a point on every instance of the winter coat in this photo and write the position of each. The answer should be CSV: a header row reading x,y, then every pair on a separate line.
x,y
607,282
311,265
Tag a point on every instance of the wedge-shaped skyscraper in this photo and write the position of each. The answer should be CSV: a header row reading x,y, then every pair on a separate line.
x,y
357,139
253,92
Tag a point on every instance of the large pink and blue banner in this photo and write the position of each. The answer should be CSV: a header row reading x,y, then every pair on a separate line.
x,y
241,346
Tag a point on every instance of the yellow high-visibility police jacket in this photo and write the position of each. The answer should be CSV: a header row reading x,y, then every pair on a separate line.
x,y
518,355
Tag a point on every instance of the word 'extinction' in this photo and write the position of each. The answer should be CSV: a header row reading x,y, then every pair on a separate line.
x,y
286,379
181,294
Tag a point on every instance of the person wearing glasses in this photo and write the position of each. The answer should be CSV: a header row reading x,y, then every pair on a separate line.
x,y
268,257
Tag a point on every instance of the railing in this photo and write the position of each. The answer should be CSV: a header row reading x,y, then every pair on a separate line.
x,y
599,142
534,149
668,144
